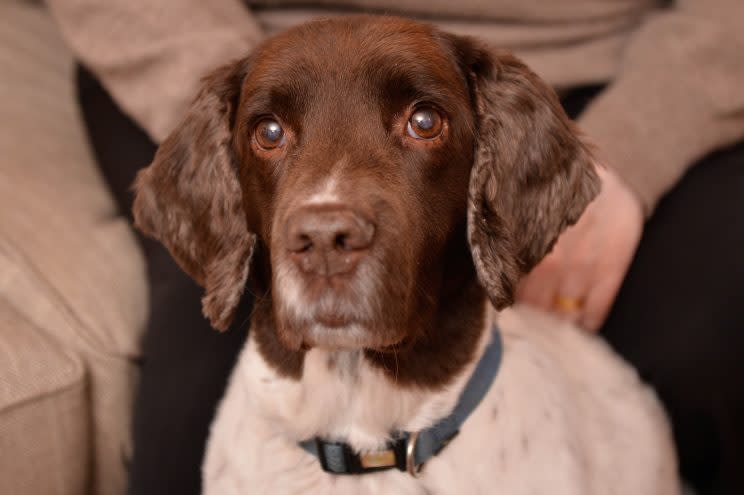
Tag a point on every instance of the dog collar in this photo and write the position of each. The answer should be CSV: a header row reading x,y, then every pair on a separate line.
x,y
409,451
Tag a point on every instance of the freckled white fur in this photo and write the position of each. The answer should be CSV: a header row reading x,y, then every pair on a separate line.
x,y
564,416
362,304
289,286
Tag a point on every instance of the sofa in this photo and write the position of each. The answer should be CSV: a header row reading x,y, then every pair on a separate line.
x,y
72,280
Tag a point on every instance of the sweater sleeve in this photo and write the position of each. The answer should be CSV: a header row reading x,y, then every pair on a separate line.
x,y
150,55
678,96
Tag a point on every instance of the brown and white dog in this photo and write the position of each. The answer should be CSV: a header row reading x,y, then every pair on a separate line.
x,y
381,186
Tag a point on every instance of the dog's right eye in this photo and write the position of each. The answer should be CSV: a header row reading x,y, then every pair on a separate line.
x,y
269,134
425,124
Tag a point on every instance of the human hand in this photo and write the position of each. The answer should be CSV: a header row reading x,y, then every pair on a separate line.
x,y
580,278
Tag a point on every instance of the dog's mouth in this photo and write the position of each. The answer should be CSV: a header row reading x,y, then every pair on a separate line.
x,y
361,308
330,320
333,321
350,336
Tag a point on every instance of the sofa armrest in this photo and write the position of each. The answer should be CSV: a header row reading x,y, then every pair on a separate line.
x,y
68,264
44,423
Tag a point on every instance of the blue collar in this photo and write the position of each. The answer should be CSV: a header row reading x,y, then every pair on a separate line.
x,y
409,451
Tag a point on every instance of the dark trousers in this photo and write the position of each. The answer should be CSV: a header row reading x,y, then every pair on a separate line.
x,y
679,319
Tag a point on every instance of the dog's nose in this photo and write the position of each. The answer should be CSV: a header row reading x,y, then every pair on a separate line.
x,y
328,240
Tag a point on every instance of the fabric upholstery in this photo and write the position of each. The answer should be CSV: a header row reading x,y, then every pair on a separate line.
x,y
44,420
68,265
678,62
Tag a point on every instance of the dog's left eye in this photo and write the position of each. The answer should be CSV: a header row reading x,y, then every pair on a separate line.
x,y
425,123
269,134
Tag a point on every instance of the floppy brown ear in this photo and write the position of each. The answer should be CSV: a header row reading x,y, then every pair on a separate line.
x,y
189,198
532,175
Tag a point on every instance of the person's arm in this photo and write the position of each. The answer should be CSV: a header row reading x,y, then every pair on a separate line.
x,y
150,55
679,95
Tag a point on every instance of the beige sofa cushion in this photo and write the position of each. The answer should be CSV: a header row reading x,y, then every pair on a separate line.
x,y
68,265
54,206
43,412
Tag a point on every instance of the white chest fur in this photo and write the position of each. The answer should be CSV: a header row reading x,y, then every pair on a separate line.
x,y
564,416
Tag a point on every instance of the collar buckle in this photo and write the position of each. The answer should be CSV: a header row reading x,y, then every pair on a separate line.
x,y
411,466
378,459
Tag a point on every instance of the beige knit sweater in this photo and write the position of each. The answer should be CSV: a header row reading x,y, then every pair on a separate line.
x,y
676,69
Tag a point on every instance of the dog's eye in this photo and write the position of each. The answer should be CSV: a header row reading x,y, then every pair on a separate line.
x,y
269,134
425,123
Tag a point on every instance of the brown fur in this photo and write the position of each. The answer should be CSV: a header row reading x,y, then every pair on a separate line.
x,y
477,207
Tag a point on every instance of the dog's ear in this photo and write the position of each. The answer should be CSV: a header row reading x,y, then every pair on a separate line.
x,y
532,175
189,198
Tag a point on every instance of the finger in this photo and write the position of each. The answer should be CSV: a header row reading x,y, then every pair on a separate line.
x,y
599,301
539,286
570,297
569,300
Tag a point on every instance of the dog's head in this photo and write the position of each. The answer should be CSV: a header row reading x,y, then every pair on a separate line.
x,y
360,168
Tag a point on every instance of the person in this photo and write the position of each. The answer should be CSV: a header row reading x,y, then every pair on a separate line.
x,y
654,264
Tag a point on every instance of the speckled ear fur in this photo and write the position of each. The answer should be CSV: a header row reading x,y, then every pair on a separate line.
x,y
189,198
532,175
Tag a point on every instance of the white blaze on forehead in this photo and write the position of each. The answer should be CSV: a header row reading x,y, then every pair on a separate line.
x,y
328,190
328,193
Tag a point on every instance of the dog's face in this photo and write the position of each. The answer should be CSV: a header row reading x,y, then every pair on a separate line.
x,y
376,163
355,148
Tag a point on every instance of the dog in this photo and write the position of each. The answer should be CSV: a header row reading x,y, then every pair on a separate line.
x,y
381,186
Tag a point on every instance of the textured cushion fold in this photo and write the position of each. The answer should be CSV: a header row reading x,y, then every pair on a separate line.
x,y
43,412
68,265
